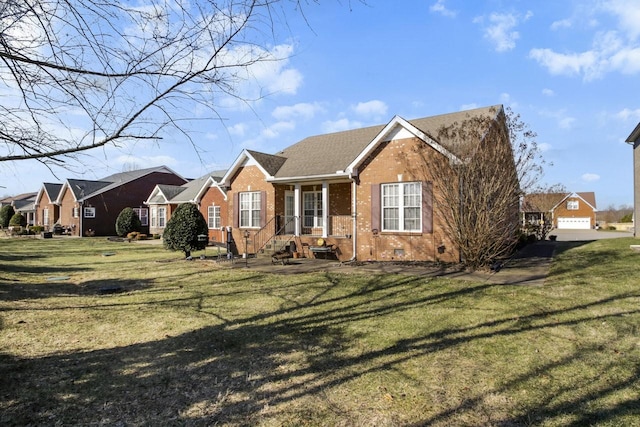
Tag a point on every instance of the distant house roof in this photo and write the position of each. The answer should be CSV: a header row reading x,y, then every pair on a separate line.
x,y
545,202
83,189
333,153
189,192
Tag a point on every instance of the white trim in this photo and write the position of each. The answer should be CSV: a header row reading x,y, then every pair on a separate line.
x,y
381,137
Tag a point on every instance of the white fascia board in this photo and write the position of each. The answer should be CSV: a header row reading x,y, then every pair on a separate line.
x,y
209,183
156,190
573,195
309,178
398,121
634,136
65,186
244,158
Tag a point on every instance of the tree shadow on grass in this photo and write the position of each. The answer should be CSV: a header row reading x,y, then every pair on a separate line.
x,y
270,365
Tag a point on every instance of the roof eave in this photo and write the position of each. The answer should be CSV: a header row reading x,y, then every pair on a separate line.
x,y
634,136
310,177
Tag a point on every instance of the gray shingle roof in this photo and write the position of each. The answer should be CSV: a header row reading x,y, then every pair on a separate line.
x,y
329,153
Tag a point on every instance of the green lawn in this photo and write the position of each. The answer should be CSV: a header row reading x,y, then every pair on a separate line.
x,y
194,343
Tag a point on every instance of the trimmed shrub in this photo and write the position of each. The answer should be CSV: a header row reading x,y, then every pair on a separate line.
x,y
6,213
18,220
183,228
128,222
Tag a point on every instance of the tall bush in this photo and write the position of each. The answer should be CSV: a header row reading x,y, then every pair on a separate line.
x,y
6,213
127,222
17,220
183,228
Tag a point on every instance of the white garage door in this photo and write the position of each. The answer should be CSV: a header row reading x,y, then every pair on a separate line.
x,y
574,223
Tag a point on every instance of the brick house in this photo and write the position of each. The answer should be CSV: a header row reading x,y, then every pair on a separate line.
x,y
92,207
47,211
353,191
561,210
203,192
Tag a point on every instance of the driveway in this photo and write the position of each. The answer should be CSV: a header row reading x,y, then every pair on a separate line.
x,y
584,235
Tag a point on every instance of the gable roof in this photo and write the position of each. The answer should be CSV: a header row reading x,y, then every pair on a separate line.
x,y
191,192
338,153
83,189
634,136
535,202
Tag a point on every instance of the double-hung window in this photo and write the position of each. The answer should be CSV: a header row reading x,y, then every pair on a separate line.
x,y
143,216
158,217
250,205
402,206
89,212
312,209
573,205
213,217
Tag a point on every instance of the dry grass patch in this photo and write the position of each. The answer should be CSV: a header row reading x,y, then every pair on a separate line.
x,y
191,343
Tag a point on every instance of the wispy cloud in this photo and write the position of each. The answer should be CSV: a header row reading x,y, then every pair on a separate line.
x,y
439,7
371,109
590,177
612,49
499,29
548,92
340,125
302,110
627,114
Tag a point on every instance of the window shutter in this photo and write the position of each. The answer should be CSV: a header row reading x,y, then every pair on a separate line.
x,y
375,207
236,210
427,207
263,208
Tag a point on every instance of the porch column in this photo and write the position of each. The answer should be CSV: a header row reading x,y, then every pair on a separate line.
x,y
297,199
325,209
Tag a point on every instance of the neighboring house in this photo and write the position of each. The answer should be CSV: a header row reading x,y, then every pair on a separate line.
x,y
634,140
24,204
48,212
354,191
203,192
561,210
92,207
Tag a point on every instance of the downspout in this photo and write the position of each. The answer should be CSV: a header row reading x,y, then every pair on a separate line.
x,y
354,221
80,215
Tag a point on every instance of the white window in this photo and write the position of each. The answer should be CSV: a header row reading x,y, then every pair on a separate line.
x,y
312,208
250,209
213,217
76,212
89,212
143,215
402,207
162,217
45,216
573,205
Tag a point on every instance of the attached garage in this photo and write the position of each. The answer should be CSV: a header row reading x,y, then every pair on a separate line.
x,y
574,223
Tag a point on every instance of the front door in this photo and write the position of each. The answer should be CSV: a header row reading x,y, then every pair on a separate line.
x,y
289,212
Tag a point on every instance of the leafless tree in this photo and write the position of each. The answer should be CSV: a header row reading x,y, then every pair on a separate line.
x,y
81,74
477,188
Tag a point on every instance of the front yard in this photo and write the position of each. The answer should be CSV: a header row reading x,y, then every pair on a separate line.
x,y
195,343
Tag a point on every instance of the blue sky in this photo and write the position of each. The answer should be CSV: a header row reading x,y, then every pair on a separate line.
x,y
571,69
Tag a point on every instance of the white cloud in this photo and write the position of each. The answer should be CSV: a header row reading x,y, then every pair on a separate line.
x,y
305,111
239,129
548,92
500,30
276,129
627,114
439,7
544,146
141,161
340,125
614,49
563,23
563,120
465,107
374,108
590,177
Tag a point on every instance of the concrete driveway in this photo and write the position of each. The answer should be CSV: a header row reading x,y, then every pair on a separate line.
x,y
584,235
